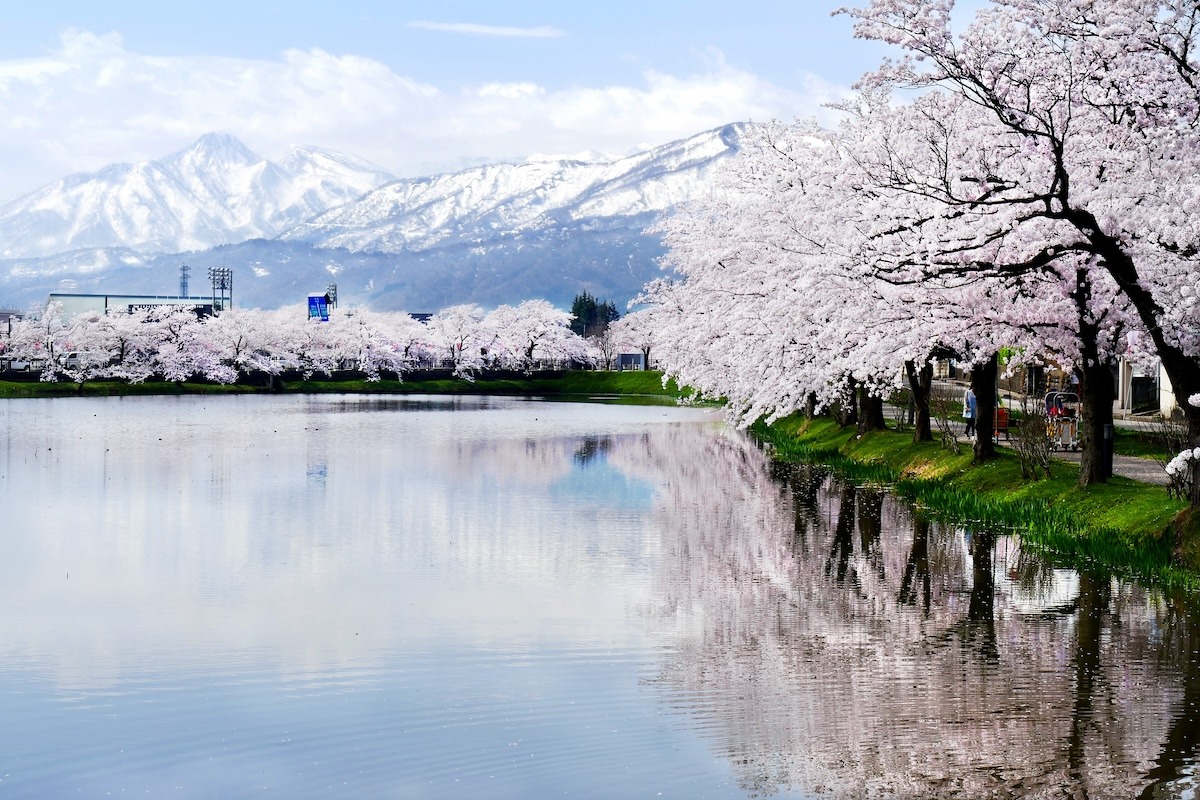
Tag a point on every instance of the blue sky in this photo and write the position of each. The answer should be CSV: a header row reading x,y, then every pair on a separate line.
x,y
415,87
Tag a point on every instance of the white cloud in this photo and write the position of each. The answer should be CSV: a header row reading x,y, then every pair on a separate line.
x,y
93,102
473,29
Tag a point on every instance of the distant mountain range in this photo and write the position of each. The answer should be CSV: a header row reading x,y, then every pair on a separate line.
x,y
494,234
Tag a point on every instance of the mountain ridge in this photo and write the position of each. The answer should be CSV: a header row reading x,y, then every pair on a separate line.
x,y
490,234
215,191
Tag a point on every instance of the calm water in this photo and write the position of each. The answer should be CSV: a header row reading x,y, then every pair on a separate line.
x,y
466,598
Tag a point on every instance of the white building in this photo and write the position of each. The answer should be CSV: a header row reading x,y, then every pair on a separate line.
x,y
73,303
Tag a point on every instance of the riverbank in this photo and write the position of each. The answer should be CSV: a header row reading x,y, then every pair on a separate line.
x,y
1122,526
639,387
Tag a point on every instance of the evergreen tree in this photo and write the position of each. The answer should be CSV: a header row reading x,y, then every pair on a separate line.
x,y
591,318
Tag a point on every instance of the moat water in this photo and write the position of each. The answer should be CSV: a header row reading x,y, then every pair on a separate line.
x,y
361,596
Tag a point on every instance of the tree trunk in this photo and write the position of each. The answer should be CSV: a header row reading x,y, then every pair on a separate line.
x,y
984,379
919,385
1193,421
1096,396
1096,391
1182,370
870,412
847,408
810,405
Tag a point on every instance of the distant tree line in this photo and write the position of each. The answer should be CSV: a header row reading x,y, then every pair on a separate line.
x,y
175,343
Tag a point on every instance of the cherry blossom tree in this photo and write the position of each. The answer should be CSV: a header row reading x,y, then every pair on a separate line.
x,y
531,330
132,346
37,338
774,305
311,345
177,344
458,333
248,340
411,338
637,330
374,342
928,228
88,344
181,350
826,259
1085,114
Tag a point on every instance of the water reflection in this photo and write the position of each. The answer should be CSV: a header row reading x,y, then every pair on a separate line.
x,y
426,403
291,594
836,642
426,601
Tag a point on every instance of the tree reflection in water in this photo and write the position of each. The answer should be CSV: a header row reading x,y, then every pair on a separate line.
x,y
829,640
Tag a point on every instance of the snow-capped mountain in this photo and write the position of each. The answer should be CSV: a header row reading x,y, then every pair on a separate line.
x,y
500,200
548,227
214,192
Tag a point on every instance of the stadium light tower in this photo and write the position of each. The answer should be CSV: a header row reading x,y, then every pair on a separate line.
x,y
222,287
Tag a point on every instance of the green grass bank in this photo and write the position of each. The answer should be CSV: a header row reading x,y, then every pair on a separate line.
x,y
633,387
1122,526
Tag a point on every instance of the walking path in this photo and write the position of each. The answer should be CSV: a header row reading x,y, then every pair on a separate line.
x,y
1146,470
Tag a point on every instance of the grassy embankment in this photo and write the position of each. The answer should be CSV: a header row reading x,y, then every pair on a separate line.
x,y
1121,526
632,387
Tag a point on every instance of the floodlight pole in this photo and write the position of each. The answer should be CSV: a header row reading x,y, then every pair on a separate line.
x,y
222,287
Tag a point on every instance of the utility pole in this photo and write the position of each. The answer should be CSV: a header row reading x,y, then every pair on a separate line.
x,y
184,271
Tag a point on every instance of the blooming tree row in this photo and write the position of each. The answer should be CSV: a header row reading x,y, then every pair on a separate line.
x,y
1032,191
173,343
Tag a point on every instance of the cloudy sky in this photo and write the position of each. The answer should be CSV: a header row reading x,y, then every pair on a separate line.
x,y
415,87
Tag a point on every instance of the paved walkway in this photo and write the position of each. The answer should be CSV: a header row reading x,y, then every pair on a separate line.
x,y
1146,470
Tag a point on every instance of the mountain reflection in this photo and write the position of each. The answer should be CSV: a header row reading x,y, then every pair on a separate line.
x,y
829,640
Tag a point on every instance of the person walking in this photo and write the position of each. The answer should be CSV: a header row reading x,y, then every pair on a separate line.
x,y
969,411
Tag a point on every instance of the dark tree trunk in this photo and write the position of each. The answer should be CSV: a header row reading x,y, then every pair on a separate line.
x,y
984,379
870,412
810,405
1096,396
1182,370
1096,391
920,384
846,412
806,481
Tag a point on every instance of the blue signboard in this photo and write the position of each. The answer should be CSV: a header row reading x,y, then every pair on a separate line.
x,y
318,307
